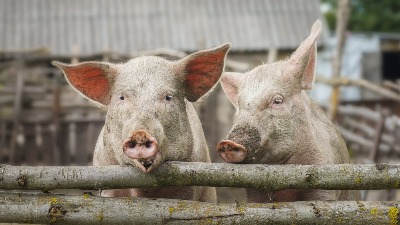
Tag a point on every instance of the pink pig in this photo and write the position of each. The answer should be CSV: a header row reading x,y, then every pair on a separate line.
x,y
150,116
276,122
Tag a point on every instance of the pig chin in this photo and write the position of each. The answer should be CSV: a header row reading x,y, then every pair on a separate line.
x,y
149,164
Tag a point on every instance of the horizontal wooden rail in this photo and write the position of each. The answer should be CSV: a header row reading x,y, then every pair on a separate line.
x,y
269,177
89,209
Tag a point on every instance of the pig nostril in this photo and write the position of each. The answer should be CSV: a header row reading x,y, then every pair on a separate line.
x,y
148,144
132,144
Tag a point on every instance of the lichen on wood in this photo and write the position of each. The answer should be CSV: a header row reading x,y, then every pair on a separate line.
x,y
75,209
269,177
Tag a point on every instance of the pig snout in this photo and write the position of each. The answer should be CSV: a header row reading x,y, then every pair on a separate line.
x,y
242,143
143,148
231,152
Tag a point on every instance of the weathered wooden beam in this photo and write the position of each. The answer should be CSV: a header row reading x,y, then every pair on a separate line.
x,y
19,87
366,143
342,17
342,81
363,127
392,85
88,209
350,110
268,177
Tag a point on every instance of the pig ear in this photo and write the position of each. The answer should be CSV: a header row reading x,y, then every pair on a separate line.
x,y
202,71
231,82
92,79
303,60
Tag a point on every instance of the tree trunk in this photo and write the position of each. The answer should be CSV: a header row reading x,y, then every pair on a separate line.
x,y
269,177
88,209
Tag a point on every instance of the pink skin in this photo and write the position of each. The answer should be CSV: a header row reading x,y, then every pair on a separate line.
x,y
150,115
143,148
231,152
276,122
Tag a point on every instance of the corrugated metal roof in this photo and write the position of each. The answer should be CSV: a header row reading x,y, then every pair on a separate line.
x,y
130,25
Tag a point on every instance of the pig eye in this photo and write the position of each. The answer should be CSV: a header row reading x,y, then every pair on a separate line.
x,y
121,97
168,97
277,100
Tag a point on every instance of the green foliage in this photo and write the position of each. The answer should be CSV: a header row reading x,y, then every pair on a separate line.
x,y
368,15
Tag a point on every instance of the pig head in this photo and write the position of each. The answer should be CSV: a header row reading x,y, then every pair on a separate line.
x,y
277,123
150,118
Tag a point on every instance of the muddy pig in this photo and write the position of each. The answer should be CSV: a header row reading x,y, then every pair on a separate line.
x,y
150,116
276,122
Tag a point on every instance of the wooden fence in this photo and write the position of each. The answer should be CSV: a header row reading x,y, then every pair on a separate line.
x,y
373,135
42,121
52,208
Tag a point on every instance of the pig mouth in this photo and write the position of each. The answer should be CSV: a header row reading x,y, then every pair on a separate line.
x,y
147,165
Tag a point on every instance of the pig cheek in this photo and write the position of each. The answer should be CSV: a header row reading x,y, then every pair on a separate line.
x,y
112,141
117,114
172,121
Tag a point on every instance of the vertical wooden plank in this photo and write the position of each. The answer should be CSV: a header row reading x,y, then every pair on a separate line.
x,y
29,149
63,144
56,119
377,140
47,150
20,155
90,143
38,141
81,154
17,108
343,13
72,143
3,144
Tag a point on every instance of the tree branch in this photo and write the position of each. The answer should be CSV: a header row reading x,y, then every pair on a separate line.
x,y
342,81
269,177
88,209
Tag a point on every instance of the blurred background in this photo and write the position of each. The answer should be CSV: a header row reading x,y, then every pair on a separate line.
x,y
44,122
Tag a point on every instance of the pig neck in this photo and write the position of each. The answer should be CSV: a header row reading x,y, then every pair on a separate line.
x,y
317,140
199,151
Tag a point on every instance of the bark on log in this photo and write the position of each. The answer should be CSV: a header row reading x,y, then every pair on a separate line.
x,y
268,177
88,209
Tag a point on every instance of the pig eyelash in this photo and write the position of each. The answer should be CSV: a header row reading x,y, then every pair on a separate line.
x,y
168,97
277,100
